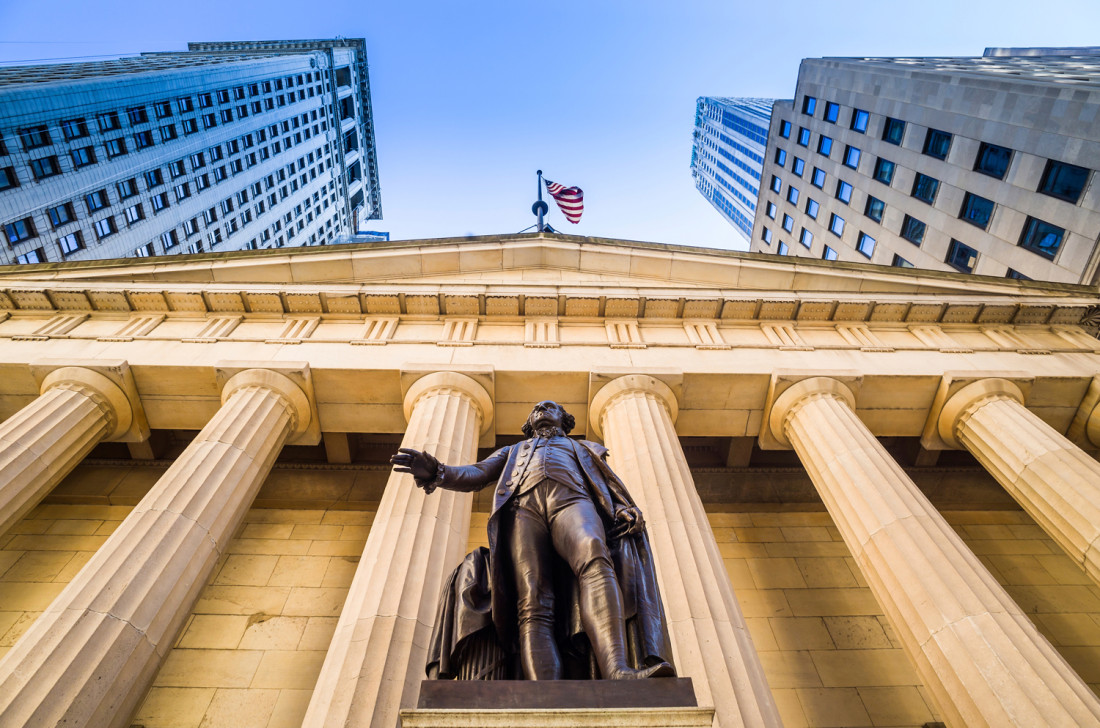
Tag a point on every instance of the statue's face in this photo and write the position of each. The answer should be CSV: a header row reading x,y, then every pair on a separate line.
x,y
546,414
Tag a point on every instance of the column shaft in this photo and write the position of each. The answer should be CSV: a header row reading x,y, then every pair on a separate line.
x,y
92,654
710,640
376,660
974,648
41,444
1056,482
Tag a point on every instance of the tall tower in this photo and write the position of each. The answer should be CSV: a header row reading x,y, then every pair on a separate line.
x,y
225,146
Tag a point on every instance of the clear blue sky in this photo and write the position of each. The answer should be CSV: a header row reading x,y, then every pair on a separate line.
x,y
470,98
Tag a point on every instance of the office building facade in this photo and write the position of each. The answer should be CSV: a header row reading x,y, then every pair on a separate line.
x,y
980,165
727,155
222,147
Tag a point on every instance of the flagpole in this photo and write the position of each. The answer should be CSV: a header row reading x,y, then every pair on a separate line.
x,y
540,208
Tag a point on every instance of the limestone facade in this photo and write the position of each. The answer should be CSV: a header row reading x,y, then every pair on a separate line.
x,y
869,490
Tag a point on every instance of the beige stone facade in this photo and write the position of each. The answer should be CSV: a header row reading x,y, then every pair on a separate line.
x,y
871,492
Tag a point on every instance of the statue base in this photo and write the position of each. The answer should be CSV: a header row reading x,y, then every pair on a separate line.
x,y
672,692
563,718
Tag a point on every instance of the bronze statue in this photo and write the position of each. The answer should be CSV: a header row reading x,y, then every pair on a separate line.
x,y
559,514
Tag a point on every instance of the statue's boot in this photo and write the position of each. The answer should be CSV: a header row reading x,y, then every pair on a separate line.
x,y
602,614
538,651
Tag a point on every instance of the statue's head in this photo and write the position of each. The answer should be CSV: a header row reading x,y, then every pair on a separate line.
x,y
548,414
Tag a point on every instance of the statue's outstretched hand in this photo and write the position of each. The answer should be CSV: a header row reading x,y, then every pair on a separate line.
x,y
628,521
421,465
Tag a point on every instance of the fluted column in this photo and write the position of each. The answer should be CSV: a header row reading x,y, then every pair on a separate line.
x,y
41,443
1056,482
92,654
376,660
635,415
974,648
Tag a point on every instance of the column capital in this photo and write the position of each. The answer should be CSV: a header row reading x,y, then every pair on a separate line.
x,y
956,408
110,384
476,393
625,385
791,399
293,381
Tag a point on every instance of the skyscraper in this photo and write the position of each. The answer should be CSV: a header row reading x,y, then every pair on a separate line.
x,y
980,165
728,154
226,146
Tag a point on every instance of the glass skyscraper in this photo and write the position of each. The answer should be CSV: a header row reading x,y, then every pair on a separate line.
x,y
728,154
224,146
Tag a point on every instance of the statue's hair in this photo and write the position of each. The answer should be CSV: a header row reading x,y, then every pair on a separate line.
x,y
568,422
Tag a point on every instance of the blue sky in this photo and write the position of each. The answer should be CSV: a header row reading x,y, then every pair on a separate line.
x,y
470,98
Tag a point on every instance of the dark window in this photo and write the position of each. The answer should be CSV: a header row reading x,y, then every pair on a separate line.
x,y
45,167
866,244
96,200
198,160
105,227
108,121
209,121
169,239
884,171
792,194
976,210
782,250
223,96
770,210
777,184
912,230
1064,181
803,137
812,207
190,126
785,129
134,214
824,146
859,120
836,225
1010,273
20,230
925,187
961,257
843,191
205,101
818,179
766,236
168,132
154,178
115,147
937,143
900,262
83,156
806,238
127,188
160,202
874,209
137,115
828,254
992,160
851,157
34,137
31,256
1042,237
798,166
176,168
8,178
832,112
227,115
780,157
809,105
143,139
70,243
788,223
893,130
163,109
61,214
74,129
184,104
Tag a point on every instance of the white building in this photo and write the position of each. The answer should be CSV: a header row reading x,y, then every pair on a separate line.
x,y
225,146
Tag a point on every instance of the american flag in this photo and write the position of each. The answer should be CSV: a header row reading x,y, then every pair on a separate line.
x,y
569,199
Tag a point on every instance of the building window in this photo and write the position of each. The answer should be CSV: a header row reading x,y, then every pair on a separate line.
x,y
961,257
61,214
20,230
769,210
143,139
190,227
205,101
70,243
798,166
83,156
190,126
108,121
893,130
176,168
185,104
785,129
1010,273
163,109
227,115
803,137
105,227
874,209
788,223
992,160
765,235
792,194
809,105
1042,238
925,187
34,137
1064,181
137,115
828,254
45,167
96,200
851,157
154,178
127,188
145,251
198,160
223,96
812,208
976,210
832,112
866,245
115,147
937,144
168,132
806,238
912,230
900,262
8,178
31,256
183,191
884,171
160,202
209,121
169,240
836,225
781,250
824,146
74,129
843,191
818,179
859,120
134,214
777,184
780,157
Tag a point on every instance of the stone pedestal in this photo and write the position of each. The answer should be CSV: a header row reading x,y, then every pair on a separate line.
x,y
562,718
91,656
1056,482
976,651
711,644
376,660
